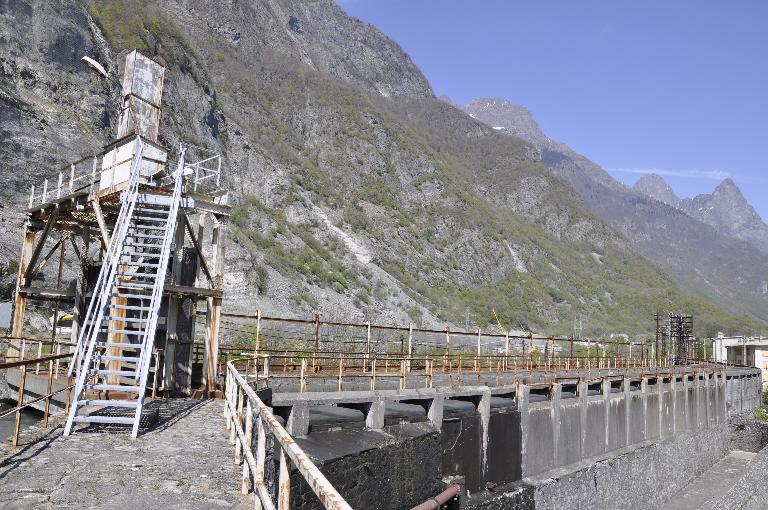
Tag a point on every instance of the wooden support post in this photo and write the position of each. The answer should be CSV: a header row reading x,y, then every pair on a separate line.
x,y
175,385
20,300
117,324
213,314
105,238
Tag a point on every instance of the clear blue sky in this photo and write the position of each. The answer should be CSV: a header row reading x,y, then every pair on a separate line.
x,y
679,86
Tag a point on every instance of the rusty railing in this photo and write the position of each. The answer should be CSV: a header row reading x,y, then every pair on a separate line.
x,y
243,411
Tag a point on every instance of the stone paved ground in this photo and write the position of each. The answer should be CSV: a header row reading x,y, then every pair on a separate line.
x,y
712,484
183,462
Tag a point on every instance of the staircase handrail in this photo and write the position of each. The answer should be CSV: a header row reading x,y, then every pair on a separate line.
x,y
142,370
115,243
100,296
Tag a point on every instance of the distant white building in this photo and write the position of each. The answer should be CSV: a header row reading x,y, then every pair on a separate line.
x,y
751,351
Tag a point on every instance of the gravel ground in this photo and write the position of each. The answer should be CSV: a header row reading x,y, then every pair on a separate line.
x,y
184,461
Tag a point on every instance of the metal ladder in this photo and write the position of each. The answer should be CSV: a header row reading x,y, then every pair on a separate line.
x,y
123,310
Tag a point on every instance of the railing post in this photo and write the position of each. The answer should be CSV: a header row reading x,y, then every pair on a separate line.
x,y
71,177
20,401
284,491
39,355
410,345
58,188
265,367
248,440
373,374
32,197
238,420
58,353
258,331
341,370
45,190
303,383
48,398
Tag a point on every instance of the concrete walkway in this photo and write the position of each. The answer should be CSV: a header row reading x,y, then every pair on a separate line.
x,y
712,484
183,462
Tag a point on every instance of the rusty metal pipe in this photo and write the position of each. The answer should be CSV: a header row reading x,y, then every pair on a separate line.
x,y
444,497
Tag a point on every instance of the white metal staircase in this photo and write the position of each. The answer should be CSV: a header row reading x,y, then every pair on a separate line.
x,y
113,351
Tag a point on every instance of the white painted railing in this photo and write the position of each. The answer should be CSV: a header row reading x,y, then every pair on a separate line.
x,y
244,410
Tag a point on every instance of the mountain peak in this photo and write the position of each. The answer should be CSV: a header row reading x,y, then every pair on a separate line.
x,y
729,187
654,186
502,114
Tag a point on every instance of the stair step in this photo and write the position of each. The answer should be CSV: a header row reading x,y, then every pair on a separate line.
x,y
145,210
132,404
139,255
127,332
104,419
142,245
153,219
121,373
112,387
121,345
136,275
134,285
145,236
132,226
129,307
133,296
124,359
126,319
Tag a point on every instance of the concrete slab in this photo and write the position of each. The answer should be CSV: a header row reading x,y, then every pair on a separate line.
x,y
186,462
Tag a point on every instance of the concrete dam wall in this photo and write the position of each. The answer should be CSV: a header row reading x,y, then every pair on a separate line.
x,y
619,442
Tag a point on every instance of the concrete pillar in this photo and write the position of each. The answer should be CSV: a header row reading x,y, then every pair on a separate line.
x,y
523,392
606,388
484,409
374,414
644,393
673,389
298,420
556,396
625,388
435,411
583,390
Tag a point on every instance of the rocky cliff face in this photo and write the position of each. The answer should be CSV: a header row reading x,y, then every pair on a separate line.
x,y
726,209
357,194
710,245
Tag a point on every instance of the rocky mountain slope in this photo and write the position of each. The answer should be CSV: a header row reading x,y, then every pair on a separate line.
x,y
700,253
357,193
725,209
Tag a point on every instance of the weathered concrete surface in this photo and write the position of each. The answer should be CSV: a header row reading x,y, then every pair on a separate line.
x,y
711,484
397,467
184,462
637,477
